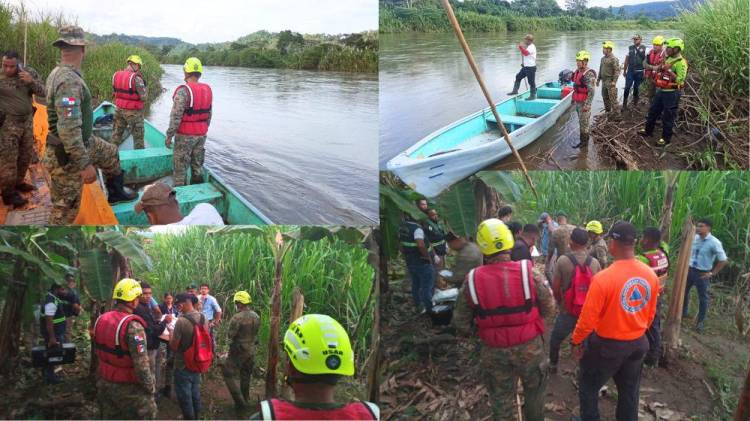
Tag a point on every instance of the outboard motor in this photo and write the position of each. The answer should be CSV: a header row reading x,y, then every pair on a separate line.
x,y
565,76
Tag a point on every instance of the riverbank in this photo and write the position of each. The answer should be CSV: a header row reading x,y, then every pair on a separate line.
x,y
433,19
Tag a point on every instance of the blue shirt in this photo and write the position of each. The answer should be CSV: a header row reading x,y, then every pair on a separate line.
x,y
545,237
705,252
210,306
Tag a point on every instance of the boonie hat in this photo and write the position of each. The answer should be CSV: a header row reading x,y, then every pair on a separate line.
x,y
71,35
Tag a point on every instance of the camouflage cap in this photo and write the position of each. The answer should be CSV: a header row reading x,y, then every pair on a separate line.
x,y
71,35
155,195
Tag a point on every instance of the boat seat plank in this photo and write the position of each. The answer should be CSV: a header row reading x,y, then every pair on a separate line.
x,y
551,93
511,119
187,196
145,165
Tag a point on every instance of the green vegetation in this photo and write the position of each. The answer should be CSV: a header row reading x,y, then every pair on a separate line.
x,y
102,61
286,49
489,16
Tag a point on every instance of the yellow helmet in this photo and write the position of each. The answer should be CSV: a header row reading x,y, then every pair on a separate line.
x,y
493,236
135,59
317,344
583,55
675,43
607,44
595,227
658,40
127,290
193,65
242,297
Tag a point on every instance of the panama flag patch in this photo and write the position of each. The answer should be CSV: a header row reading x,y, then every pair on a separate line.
x,y
68,101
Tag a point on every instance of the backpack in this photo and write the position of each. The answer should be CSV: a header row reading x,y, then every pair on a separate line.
x,y
200,354
575,295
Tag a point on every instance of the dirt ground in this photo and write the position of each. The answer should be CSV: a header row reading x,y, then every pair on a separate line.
x,y
429,374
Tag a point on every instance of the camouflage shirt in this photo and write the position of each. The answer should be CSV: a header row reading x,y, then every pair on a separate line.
x,y
599,251
463,315
181,98
609,68
140,87
243,331
560,240
136,337
16,96
69,112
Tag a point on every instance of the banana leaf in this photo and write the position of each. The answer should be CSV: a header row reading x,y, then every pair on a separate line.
x,y
127,247
96,273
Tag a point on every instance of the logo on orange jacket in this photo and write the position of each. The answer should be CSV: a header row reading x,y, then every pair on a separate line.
x,y
635,295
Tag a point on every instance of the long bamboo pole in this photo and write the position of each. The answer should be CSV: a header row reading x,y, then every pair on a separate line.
x,y
674,318
485,91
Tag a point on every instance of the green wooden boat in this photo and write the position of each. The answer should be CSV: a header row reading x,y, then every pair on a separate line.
x,y
145,166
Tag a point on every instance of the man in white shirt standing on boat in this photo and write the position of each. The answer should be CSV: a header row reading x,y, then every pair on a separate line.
x,y
528,66
159,203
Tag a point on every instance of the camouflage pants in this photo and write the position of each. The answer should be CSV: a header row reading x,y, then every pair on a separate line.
x,y
609,96
131,120
237,370
188,152
502,367
16,149
66,185
583,119
648,87
128,401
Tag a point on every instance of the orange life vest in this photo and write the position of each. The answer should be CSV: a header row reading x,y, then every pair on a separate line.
x,y
195,117
123,86
580,90
653,59
503,296
278,409
115,363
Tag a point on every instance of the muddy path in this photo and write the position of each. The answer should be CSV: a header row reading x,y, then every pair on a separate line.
x,y
430,374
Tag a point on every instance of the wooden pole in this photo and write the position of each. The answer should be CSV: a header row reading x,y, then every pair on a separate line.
x,y
279,249
743,406
666,209
373,372
25,31
674,318
485,91
298,306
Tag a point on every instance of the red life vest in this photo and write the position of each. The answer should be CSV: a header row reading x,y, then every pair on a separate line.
x,y
653,59
580,90
123,86
505,303
195,118
277,409
115,364
658,261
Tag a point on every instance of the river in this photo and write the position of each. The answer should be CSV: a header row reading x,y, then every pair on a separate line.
x,y
426,83
299,145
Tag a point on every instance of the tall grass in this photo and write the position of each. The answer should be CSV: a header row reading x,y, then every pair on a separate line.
x,y
637,196
334,277
102,61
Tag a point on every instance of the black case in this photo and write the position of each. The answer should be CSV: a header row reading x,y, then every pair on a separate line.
x,y
42,357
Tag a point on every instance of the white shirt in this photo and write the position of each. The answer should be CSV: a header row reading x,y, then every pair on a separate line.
x,y
50,309
202,214
530,60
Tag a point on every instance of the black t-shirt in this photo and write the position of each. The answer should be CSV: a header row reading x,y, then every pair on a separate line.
x,y
70,297
520,251
153,328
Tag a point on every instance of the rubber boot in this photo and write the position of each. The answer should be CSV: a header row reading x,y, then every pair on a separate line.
x,y
13,198
117,193
234,389
584,140
516,85
532,96
644,133
25,187
245,389
635,101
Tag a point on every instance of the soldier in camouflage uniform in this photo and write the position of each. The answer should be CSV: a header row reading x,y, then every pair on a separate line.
x,y
238,366
73,151
188,124
17,85
598,248
129,112
514,356
132,398
584,88
609,72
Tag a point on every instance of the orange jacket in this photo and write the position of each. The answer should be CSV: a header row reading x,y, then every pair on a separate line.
x,y
621,302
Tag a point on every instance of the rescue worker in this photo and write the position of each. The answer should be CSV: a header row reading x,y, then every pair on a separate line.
x,y
507,302
18,84
598,248
73,151
418,262
584,88
130,95
188,124
559,243
320,354
238,366
707,258
609,71
72,307
528,66
125,383
609,338
633,70
656,258
651,65
670,79
52,325
468,256
436,236
562,282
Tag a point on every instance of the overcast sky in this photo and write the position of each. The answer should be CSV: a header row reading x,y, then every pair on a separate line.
x,y
214,20
607,3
